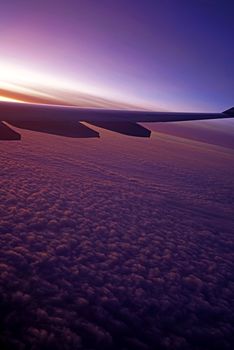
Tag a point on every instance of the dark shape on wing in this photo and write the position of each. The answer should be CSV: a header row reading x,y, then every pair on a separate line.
x,y
70,129
7,133
126,128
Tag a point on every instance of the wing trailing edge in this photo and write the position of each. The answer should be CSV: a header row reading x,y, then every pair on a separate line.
x,y
126,128
71,129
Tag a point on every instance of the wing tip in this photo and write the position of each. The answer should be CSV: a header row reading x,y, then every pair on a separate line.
x,y
229,111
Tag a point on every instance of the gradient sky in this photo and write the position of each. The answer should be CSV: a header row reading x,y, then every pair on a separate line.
x,y
174,54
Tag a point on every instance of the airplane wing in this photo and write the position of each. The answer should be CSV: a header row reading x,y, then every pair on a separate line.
x,y
67,120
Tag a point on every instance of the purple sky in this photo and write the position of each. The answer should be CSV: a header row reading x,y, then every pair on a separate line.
x,y
172,54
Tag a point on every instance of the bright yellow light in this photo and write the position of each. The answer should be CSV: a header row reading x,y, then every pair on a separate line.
x,y
8,99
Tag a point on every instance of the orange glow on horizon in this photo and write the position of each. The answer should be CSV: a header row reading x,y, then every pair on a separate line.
x,y
9,99
29,85
20,79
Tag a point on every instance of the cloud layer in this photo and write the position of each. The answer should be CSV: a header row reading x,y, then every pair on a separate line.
x,y
113,245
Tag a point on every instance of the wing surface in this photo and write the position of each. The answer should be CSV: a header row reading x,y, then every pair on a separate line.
x,y
65,120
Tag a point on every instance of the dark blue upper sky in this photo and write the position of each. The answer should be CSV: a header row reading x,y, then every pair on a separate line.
x,y
174,54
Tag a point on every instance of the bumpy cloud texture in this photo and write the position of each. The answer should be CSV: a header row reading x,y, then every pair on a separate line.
x,y
116,244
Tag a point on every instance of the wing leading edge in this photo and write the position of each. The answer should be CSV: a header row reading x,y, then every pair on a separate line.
x,y
65,121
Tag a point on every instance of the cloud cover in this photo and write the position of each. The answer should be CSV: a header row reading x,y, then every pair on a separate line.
x,y
116,245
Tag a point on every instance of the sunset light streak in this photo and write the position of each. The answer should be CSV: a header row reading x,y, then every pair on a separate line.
x,y
27,85
17,78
